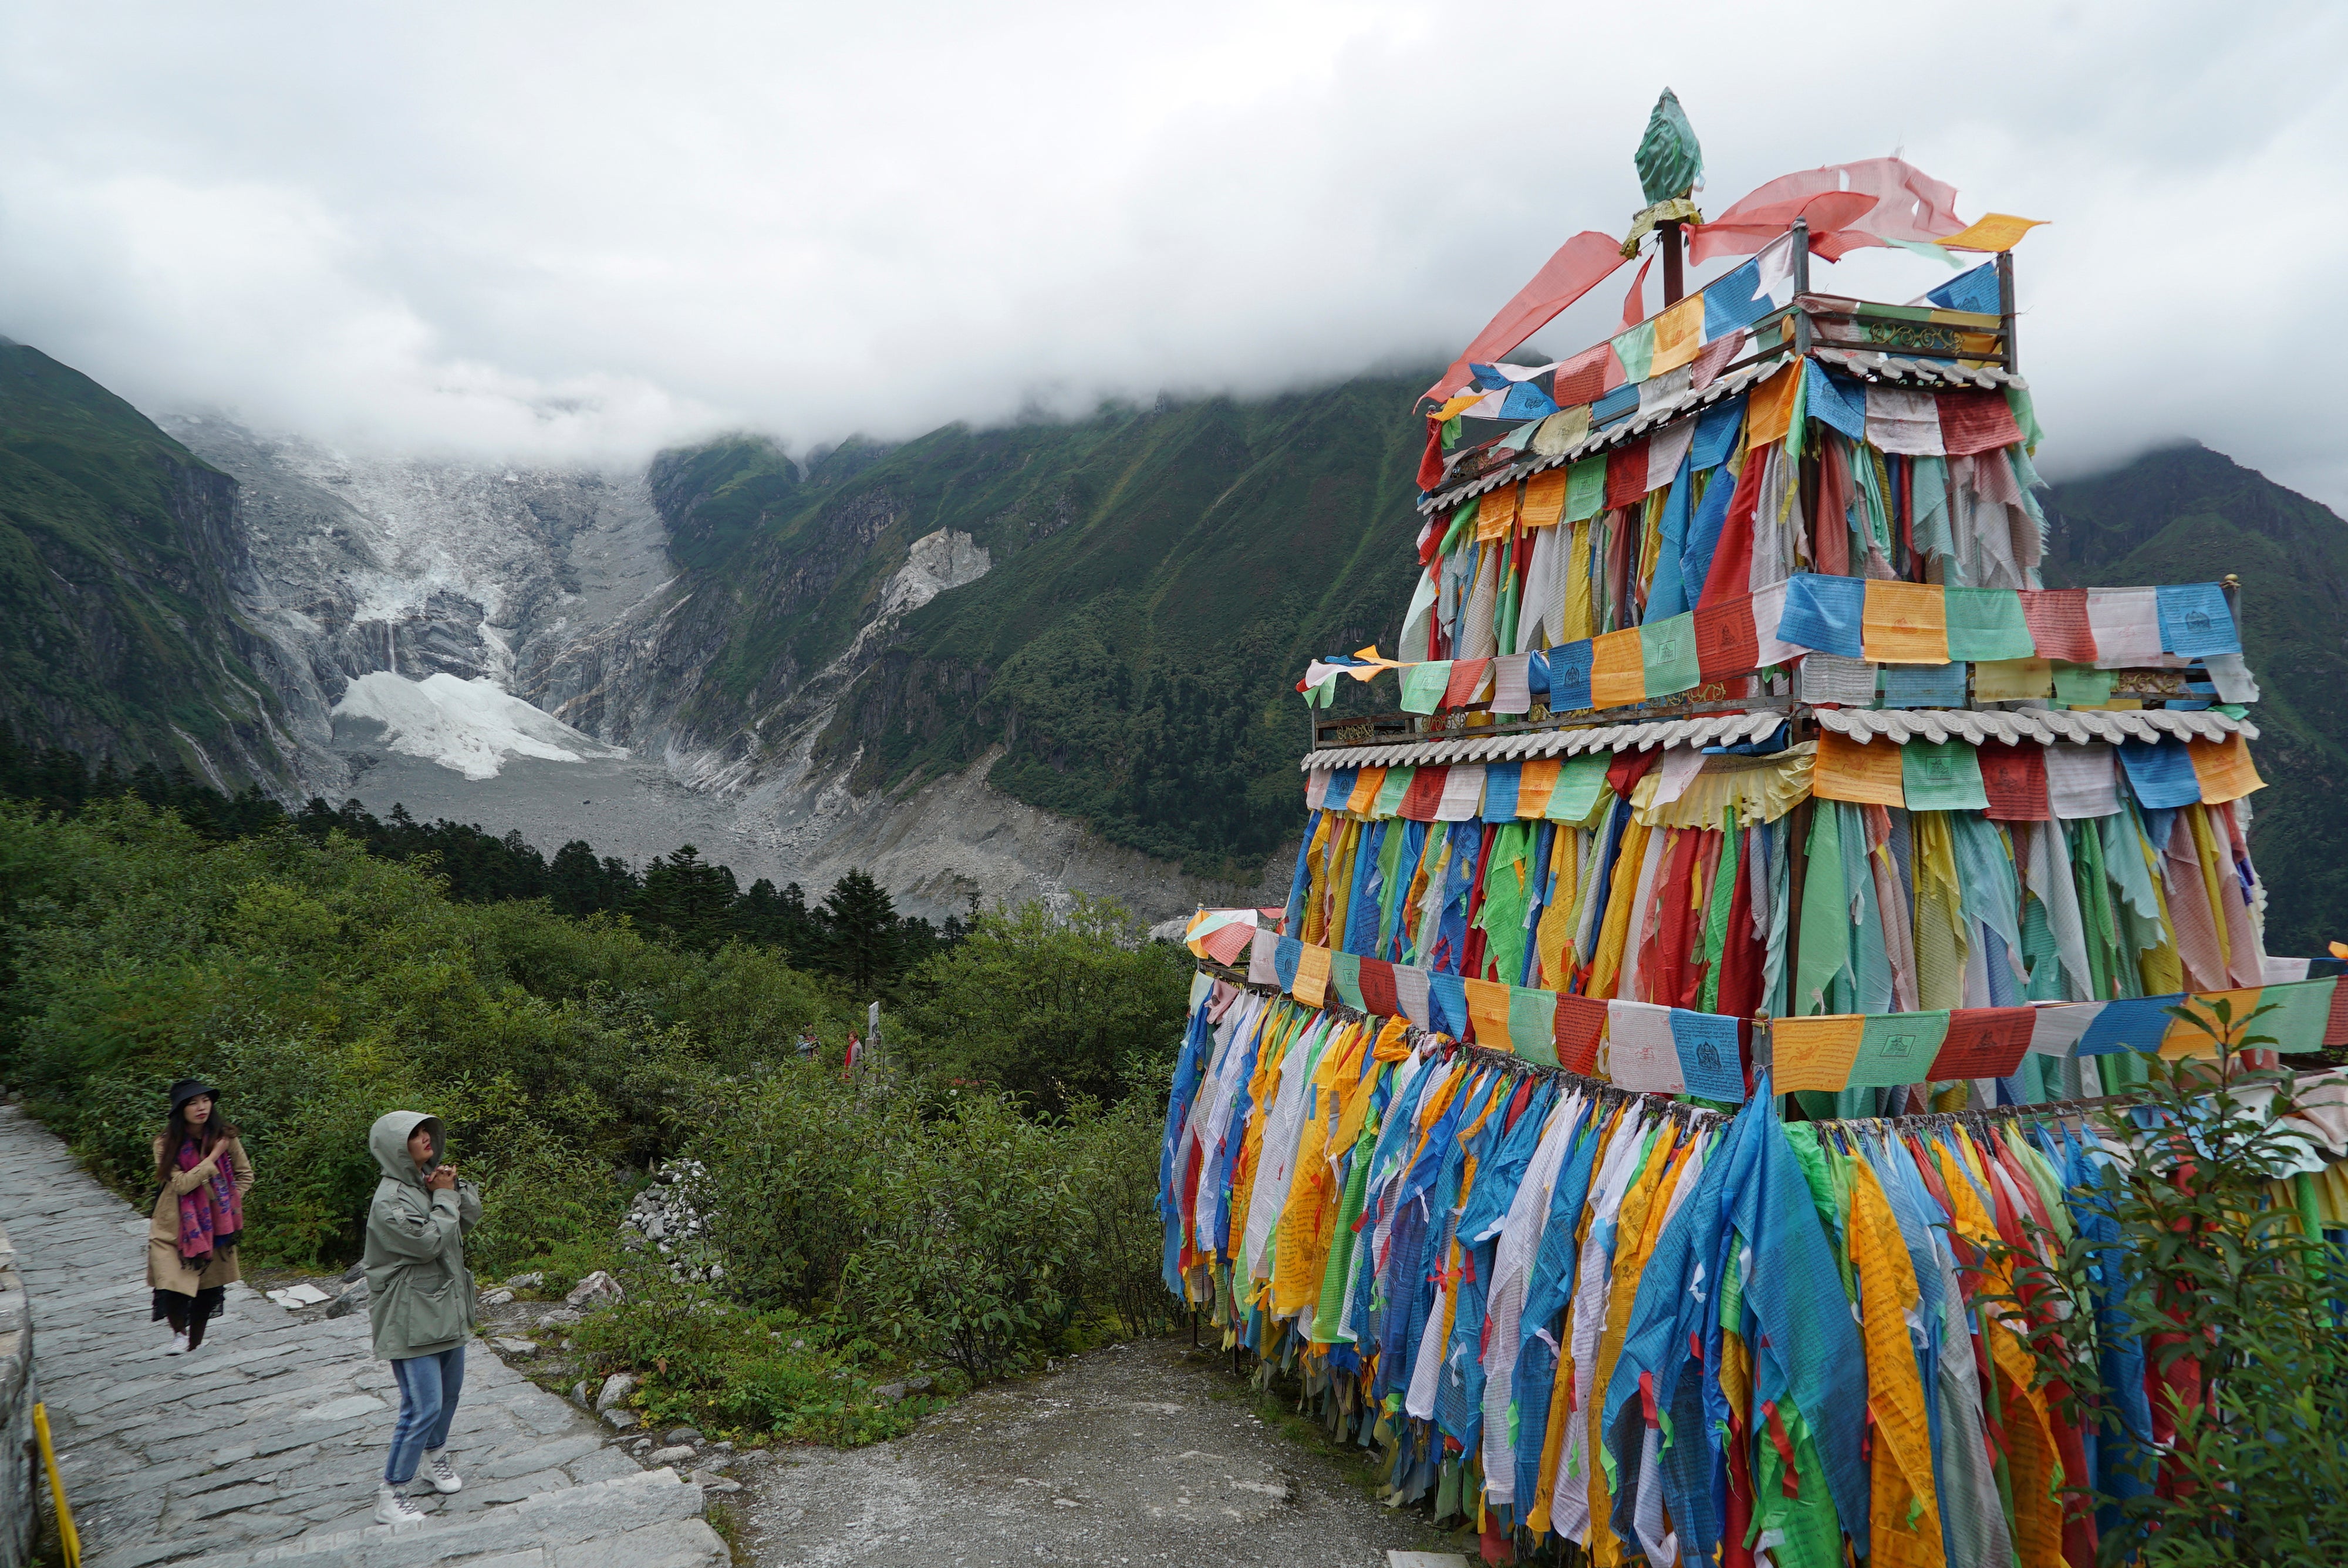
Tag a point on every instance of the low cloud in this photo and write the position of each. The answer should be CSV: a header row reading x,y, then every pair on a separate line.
x,y
567,233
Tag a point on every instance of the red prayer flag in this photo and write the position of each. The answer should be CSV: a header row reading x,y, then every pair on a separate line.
x,y
2013,775
1581,1021
1583,378
1626,474
1634,303
1983,1042
1713,358
1430,461
2335,1028
1973,421
1732,558
2057,619
1628,768
1377,983
1467,678
1578,267
1426,793
1725,640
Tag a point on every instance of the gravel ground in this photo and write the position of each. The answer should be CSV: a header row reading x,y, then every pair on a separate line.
x,y
1140,1453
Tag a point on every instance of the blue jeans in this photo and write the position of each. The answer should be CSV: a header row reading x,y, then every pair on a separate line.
x,y
429,1386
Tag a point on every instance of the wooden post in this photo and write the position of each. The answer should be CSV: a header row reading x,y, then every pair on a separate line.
x,y
1801,284
1668,233
2231,586
2005,307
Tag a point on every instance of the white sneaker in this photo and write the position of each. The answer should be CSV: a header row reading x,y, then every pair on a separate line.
x,y
178,1343
394,1510
440,1472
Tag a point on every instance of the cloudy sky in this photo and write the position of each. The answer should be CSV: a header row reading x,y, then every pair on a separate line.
x,y
577,231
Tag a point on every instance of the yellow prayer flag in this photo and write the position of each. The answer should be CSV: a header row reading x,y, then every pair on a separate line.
x,y
1618,669
2196,1036
1463,401
1905,623
1814,1054
1365,791
1488,1010
1534,786
1992,232
1769,410
2012,680
1857,772
1500,513
1679,334
1544,501
2223,768
1312,987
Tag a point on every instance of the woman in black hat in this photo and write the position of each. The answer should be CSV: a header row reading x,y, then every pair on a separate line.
x,y
200,1168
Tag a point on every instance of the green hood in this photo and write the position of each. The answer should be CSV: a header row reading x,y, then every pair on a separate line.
x,y
387,1142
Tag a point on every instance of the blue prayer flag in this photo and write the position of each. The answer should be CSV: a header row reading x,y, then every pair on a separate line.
x,y
1734,300
1825,613
1975,291
1501,790
1911,686
2136,1023
2160,772
1286,954
1537,675
1709,1061
1569,677
1447,1004
1716,434
1831,400
1341,785
1526,401
1623,400
2195,622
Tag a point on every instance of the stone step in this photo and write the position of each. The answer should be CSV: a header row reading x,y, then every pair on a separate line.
x,y
650,1520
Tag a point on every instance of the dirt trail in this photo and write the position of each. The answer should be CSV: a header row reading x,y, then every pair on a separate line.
x,y
1140,1454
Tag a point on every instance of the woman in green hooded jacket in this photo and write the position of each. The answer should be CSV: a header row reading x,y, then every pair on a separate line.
x,y
419,1297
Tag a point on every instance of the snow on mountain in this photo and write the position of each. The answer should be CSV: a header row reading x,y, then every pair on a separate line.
x,y
469,726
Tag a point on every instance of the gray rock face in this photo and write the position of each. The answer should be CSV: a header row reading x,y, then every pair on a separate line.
x,y
353,1298
598,1289
616,1387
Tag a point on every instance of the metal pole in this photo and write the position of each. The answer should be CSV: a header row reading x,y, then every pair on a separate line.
x,y
1667,234
2005,307
2231,586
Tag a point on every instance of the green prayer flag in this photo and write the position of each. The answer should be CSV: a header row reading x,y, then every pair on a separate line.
x,y
1667,649
1532,1025
1898,1048
1585,489
1581,782
1345,974
1825,949
1423,685
1390,794
1985,624
2081,686
2302,1009
1636,350
1463,526
1716,915
1941,776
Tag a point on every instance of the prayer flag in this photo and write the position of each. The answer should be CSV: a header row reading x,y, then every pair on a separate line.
x,y
2161,773
1467,682
1264,958
2079,780
2056,1030
1942,776
1426,793
1366,785
1501,790
1640,1053
1581,1025
1423,685
1829,678
1286,956
2012,680
1716,434
1990,231
1512,684
1487,1011
1636,350
1544,501
1734,300
1826,613
2081,686
1532,1025
1585,489
1316,789
2126,624
2195,621
1923,685
1987,624
2223,768
1626,474
1667,655
1617,669
1446,1001
1411,994
1904,623
1679,333
1346,976
1769,609
1463,793
2133,1023
1898,1048
1392,791
1581,782
1769,410
1983,1043
1535,782
1377,983
1976,422
1710,1062
2057,618
1500,513
1904,420
1726,644
1834,401
2013,781
1814,1054
1569,676
1857,772
2302,1012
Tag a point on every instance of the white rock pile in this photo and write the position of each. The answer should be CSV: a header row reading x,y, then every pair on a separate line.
x,y
668,1215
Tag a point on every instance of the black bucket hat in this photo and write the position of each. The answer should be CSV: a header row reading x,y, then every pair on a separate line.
x,y
186,1089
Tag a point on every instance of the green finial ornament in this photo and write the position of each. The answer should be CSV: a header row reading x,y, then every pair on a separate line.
x,y
1670,162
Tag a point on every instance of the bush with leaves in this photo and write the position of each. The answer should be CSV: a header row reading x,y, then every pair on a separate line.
x,y
2190,1325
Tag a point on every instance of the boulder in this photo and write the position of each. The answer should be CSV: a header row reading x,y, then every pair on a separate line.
x,y
356,1272
620,1421
495,1297
599,1289
354,1296
682,1435
529,1281
617,1389
523,1347
680,1454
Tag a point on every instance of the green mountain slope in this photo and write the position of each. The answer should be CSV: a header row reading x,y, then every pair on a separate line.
x,y
2185,513
116,544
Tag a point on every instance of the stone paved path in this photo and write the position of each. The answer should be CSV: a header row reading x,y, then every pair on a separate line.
x,y
266,1444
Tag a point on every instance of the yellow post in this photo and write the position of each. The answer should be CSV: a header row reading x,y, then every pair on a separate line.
x,y
66,1534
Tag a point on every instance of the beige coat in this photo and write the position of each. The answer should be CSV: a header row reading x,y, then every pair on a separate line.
x,y
166,1269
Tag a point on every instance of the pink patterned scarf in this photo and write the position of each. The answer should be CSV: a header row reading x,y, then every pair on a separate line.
x,y
212,1214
